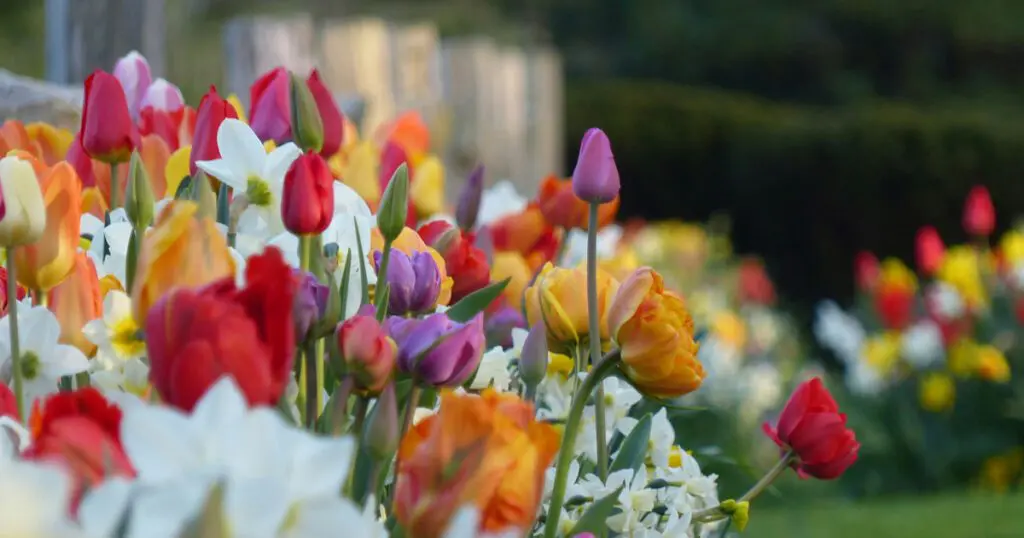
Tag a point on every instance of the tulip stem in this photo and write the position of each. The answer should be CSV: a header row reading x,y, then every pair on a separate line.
x,y
572,426
359,417
595,341
410,411
382,277
12,316
313,384
115,186
716,513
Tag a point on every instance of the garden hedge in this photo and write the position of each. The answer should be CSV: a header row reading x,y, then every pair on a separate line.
x,y
806,187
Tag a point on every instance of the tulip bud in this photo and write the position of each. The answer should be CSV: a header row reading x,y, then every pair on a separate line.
x,y
307,127
979,215
307,202
382,430
139,199
330,316
394,205
596,178
929,250
311,298
468,207
163,95
132,71
533,359
22,211
367,353
330,116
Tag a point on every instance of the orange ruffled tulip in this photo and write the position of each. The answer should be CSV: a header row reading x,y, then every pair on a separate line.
x,y
558,297
654,332
408,242
562,208
77,301
47,262
527,233
183,250
485,450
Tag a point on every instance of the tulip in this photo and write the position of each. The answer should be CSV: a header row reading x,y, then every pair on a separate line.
x,y
414,282
213,110
108,132
437,351
392,157
654,333
138,200
331,118
865,270
499,323
979,214
82,163
929,249
22,210
307,126
360,172
182,250
468,208
77,301
754,284
596,178
47,262
270,106
486,451
527,233
133,72
159,123
307,202
14,136
368,354
53,142
8,403
812,427
195,336
81,432
426,191
310,302
409,242
394,205
533,359
382,433
894,294
162,95
466,263
513,266
4,299
561,207
558,297
155,154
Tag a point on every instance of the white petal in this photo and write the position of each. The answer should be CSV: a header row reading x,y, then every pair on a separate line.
x,y
347,202
103,507
222,404
240,147
289,246
256,507
277,163
12,430
39,329
321,465
118,235
119,215
90,225
117,305
225,172
65,360
165,511
160,442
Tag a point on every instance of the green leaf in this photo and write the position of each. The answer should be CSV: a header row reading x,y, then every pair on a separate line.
x,y
362,265
210,523
184,191
345,274
476,302
593,519
634,448
223,204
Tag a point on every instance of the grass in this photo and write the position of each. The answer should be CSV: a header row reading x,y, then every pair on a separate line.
x,y
966,516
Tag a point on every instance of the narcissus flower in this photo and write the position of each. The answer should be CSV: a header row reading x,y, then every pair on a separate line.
x,y
558,297
45,263
367,351
813,428
22,210
654,332
487,451
562,208
108,132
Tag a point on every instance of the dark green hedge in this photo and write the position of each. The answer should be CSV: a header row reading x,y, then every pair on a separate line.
x,y
805,187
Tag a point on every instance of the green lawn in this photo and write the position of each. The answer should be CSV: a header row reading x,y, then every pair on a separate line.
x,y
938,517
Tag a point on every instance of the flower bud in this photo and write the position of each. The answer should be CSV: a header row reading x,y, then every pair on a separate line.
x,y
979,215
332,119
414,282
382,430
133,72
307,127
311,299
596,178
139,199
307,202
468,207
163,95
437,351
533,359
22,211
367,353
929,250
394,204
330,315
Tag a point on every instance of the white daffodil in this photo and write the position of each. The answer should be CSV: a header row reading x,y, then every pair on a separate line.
x,y
245,166
619,398
466,524
43,359
493,371
659,445
576,252
921,344
839,331
34,501
555,397
116,334
130,377
498,201
108,246
690,489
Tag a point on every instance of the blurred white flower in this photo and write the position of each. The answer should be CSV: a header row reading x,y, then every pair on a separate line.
x,y
921,344
863,379
498,201
576,249
839,331
34,501
115,334
108,248
43,359
493,371
945,300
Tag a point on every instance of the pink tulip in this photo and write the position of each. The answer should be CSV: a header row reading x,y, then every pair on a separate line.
x,y
132,71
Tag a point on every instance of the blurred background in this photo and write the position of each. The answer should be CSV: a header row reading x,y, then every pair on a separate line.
x,y
800,131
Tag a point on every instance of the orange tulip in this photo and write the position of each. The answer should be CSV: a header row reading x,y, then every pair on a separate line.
x,y
513,266
558,297
183,250
77,301
408,131
93,202
13,135
654,332
408,242
47,262
53,143
155,154
108,284
527,233
485,450
562,208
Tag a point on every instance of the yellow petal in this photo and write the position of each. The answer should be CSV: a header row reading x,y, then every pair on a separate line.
x,y
177,169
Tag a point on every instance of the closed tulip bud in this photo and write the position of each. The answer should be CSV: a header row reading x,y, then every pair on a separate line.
x,y
437,351
307,202
394,205
414,282
213,110
108,132
270,106
22,212
382,430
307,127
596,178
139,201
331,118
331,315
132,71
163,95
979,214
368,355
498,325
533,359
468,207
929,250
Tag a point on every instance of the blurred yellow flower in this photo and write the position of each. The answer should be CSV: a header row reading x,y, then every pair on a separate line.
x,y
177,169
895,275
729,328
623,263
937,392
961,358
1012,246
991,364
360,172
999,472
427,188
882,352
960,268
559,364
239,109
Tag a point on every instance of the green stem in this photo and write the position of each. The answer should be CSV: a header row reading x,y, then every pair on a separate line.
x,y
382,278
572,426
595,341
82,380
362,404
410,410
12,315
312,384
307,377
115,187
715,513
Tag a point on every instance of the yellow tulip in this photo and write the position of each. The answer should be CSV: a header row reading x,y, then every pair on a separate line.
x,y
24,217
427,188
45,263
1012,246
992,365
513,266
558,297
961,269
937,392
177,169
237,105
53,142
360,172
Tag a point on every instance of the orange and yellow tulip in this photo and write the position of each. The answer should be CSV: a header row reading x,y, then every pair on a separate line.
x,y
183,250
654,332
14,136
487,451
427,188
513,266
528,233
47,262
562,208
77,301
558,297
53,143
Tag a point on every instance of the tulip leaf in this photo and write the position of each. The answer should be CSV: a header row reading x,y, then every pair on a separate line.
x,y
476,302
363,278
634,447
210,523
223,204
184,191
345,275
594,518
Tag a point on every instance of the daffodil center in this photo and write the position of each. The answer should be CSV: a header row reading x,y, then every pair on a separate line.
x,y
124,338
31,366
290,519
257,190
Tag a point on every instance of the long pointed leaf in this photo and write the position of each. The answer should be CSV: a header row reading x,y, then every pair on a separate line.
x,y
594,518
476,302
634,448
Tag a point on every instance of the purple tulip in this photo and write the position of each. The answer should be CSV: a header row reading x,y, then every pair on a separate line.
x,y
468,208
436,350
500,323
414,282
596,178
310,302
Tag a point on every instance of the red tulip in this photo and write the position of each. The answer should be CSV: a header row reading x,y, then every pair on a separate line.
x,y
929,250
895,307
391,157
464,262
307,203
754,284
213,110
527,233
866,270
196,336
270,112
813,428
4,300
330,115
80,431
160,123
979,215
367,353
107,131
8,404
